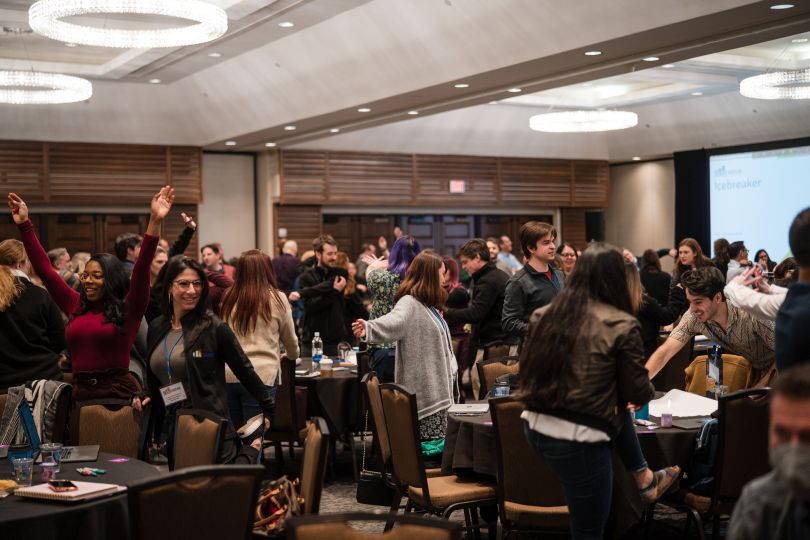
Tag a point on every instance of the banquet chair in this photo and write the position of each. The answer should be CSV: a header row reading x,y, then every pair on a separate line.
x,y
313,464
336,527
3,398
289,422
523,507
737,374
742,424
439,495
672,374
491,369
198,437
114,425
200,502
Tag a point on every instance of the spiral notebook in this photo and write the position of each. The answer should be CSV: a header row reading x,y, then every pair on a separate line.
x,y
87,490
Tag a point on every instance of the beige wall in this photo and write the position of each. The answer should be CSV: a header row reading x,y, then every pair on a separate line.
x,y
228,211
641,210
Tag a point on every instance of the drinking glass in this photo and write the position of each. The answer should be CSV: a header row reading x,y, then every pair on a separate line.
x,y
52,452
23,471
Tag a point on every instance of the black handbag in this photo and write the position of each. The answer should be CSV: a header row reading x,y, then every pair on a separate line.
x,y
371,487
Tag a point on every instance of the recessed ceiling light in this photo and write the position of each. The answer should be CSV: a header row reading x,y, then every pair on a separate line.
x,y
636,158
799,40
334,130
286,24
413,113
270,144
214,54
71,45
651,59
230,143
515,90
461,85
154,81
593,53
668,66
781,6
363,109
493,102
289,128
697,93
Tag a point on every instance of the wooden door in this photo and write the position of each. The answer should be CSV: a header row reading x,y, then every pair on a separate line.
x,y
75,232
423,228
454,232
113,225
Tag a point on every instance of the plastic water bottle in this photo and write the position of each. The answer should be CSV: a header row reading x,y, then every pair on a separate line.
x,y
317,350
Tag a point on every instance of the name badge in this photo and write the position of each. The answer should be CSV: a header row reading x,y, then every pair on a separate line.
x,y
173,393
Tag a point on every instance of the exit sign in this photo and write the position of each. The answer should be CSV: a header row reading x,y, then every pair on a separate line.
x,y
457,186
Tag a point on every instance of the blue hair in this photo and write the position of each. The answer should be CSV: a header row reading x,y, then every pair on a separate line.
x,y
404,250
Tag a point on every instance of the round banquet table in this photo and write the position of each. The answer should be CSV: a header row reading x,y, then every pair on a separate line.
x,y
105,517
336,398
469,449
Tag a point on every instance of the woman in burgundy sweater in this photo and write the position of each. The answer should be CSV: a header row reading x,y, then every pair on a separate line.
x,y
106,312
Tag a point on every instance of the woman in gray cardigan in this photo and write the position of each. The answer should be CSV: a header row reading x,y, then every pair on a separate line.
x,y
424,362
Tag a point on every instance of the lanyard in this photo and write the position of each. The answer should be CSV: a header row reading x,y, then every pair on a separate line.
x,y
168,353
443,324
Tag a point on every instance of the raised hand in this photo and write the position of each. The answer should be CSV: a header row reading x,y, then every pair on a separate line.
x,y
359,328
19,210
162,203
189,221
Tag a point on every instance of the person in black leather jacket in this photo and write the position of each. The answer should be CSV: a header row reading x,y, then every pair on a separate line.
x,y
188,345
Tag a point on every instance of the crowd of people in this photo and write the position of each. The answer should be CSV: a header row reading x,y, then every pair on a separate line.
x,y
152,326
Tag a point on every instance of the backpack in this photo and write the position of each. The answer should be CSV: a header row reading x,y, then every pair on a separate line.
x,y
700,473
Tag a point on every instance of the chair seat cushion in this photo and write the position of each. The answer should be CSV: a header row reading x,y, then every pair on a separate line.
x,y
698,502
447,490
433,472
524,515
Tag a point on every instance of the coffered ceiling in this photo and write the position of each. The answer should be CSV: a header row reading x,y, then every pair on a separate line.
x,y
396,56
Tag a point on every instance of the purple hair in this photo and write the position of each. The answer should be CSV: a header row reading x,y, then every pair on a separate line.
x,y
404,250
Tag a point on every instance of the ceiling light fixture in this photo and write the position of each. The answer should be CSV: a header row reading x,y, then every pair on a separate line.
x,y
636,158
515,90
286,24
799,40
45,18
230,143
364,109
593,53
334,130
668,66
270,144
781,6
34,87
71,45
413,113
493,102
651,59
154,81
461,85
778,85
214,54
583,121
696,94
289,128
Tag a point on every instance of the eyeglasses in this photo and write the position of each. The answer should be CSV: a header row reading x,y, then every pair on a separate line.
x,y
568,255
184,284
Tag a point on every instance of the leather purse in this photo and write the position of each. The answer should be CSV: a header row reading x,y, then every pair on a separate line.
x,y
371,486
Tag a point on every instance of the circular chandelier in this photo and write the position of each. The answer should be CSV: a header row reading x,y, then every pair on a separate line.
x,y
34,87
45,18
778,85
583,121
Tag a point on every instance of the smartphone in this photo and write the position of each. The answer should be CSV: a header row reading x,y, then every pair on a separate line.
x,y
62,485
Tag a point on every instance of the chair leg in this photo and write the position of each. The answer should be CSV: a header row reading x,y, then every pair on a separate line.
x,y
698,523
352,449
394,509
716,527
279,459
476,523
292,451
468,521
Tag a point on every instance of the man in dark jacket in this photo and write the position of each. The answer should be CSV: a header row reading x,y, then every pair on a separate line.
x,y
322,291
534,285
484,311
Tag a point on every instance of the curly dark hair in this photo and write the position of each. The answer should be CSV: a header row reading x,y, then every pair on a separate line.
x,y
116,287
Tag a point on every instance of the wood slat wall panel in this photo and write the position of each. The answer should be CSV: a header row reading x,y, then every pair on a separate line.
x,y
78,173
420,180
22,169
303,224
591,183
573,227
434,173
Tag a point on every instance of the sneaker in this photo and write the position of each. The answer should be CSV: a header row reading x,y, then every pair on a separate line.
x,y
662,481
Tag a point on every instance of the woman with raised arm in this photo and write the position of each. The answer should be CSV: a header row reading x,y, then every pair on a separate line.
x,y
106,312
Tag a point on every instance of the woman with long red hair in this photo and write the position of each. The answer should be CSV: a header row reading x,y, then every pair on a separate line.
x,y
457,298
260,315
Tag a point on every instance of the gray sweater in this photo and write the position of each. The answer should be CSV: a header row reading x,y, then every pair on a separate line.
x,y
424,362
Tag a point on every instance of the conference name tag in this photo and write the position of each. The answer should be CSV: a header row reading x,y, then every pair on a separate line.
x,y
173,393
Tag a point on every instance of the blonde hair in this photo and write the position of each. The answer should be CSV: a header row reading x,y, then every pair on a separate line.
x,y
12,253
10,288
79,261
634,287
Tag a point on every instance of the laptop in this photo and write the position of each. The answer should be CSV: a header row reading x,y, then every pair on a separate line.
x,y
689,423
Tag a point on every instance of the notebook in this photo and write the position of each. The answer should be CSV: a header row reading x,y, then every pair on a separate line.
x,y
87,490
468,408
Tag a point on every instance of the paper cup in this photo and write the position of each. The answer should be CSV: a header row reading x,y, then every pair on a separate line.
x,y
326,367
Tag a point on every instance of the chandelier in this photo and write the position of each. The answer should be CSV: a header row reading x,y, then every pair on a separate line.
x,y
778,85
34,87
45,18
583,121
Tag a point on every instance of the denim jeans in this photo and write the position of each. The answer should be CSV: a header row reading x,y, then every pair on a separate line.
x,y
381,361
627,446
585,471
242,406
